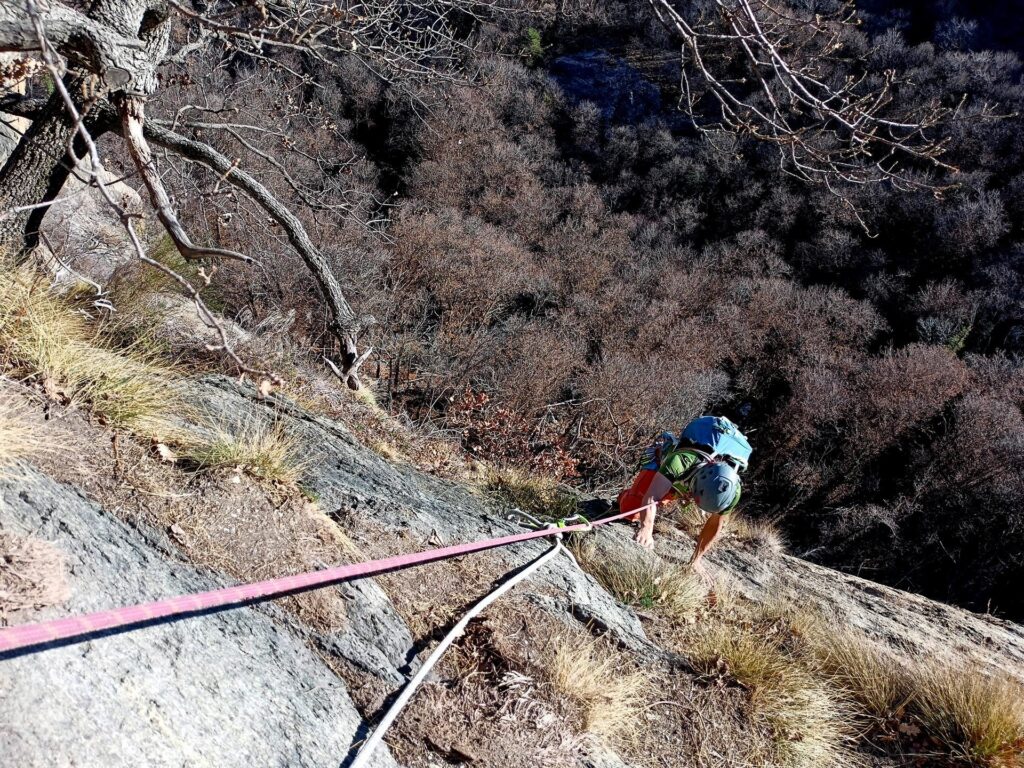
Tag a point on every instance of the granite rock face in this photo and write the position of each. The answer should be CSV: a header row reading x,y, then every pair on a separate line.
x,y
348,480
237,688
249,686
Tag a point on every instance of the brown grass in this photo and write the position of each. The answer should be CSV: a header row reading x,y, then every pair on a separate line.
x,y
763,534
265,450
641,580
44,338
684,516
969,714
611,699
877,680
539,496
19,436
810,721
978,717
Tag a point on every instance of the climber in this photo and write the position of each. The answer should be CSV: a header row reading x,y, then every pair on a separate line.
x,y
702,464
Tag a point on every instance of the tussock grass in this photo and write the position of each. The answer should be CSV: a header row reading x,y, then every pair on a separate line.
x,y
641,580
367,395
686,516
970,715
611,699
877,680
978,717
810,721
763,534
43,337
264,450
540,496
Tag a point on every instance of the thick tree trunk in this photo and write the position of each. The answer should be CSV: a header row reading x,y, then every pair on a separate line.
x,y
34,173
116,44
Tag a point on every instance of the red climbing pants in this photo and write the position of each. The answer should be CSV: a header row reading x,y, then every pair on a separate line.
x,y
650,485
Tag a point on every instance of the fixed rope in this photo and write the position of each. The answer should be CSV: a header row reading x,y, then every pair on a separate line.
x,y
73,628
375,738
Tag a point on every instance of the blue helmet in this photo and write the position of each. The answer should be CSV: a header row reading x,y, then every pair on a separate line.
x,y
715,487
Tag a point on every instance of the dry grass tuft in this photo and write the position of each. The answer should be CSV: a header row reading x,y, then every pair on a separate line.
x,y
263,449
43,337
811,722
979,718
32,574
877,680
19,437
965,712
540,496
612,700
641,580
682,515
367,395
763,534
385,449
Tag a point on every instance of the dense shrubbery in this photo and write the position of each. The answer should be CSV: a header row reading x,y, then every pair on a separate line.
x,y
602,280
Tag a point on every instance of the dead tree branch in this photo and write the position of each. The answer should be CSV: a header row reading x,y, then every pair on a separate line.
x,y
346,325
109,51
97,173
765,69
132,120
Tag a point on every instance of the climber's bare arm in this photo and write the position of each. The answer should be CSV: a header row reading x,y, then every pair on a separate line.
x,y
644,535
709,533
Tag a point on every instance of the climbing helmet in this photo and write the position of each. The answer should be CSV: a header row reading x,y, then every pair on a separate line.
x,y
715,487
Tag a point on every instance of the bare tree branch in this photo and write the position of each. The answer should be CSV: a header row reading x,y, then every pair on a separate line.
x,y
780,75
96,172
132,119
112,50
345,325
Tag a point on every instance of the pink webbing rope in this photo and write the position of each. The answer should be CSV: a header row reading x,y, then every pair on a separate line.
x,y
26,635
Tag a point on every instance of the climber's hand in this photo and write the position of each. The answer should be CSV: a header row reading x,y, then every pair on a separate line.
x,y
698,568
644,536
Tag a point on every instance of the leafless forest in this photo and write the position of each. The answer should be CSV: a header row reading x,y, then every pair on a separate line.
x,y
549,230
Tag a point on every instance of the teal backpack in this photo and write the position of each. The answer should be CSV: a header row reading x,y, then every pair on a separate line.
x,y
719,438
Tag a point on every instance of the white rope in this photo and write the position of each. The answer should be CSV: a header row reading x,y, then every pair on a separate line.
x,y
363,758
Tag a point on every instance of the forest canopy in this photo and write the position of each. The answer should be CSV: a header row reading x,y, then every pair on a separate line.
x,y
544,229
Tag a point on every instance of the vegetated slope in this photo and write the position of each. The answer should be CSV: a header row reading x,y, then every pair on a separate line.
x,y
560,673
563,243
554,248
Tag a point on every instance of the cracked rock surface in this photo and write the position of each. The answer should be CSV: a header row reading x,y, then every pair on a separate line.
x,y
236,688
245,686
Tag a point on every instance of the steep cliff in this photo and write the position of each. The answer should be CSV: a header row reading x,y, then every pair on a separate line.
x,y
295,683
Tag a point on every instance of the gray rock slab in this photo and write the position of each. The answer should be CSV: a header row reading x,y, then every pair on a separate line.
x,y
236,688
351,480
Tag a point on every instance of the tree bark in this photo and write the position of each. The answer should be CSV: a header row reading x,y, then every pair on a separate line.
x,y
120,43
105,41
108,47
133,118
34,173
